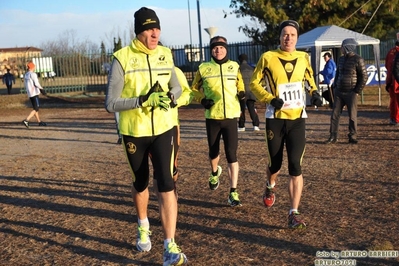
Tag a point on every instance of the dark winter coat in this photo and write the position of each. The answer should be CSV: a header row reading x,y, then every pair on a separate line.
x,y
246,72
351,73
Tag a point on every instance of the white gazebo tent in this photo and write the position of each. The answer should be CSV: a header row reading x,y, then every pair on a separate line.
x,y
331,37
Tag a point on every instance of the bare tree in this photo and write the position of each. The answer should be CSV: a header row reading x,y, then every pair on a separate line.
x,y
67,43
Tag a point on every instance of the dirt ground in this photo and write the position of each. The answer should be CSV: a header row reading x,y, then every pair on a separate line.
x,y
65,193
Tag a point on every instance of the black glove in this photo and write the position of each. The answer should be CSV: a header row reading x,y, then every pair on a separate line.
x,y
387,87
316,99
207,103
43,92
241,95
155,88
277,103
173,103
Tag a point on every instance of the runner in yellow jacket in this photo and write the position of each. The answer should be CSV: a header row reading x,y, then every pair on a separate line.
x,y
185,99
219,85
143,88
281,79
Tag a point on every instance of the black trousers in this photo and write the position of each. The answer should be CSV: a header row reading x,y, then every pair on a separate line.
x,y
250,104
9,88
340,100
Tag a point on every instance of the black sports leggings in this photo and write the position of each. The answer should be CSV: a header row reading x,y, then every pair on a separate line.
x,y
161,149
292,133
226,128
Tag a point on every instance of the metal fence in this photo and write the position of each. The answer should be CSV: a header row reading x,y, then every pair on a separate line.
x,y
67,73
88,73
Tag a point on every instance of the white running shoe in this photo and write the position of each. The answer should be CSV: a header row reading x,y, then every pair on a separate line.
x,y
143,242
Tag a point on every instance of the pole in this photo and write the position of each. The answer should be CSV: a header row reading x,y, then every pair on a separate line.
x,y
199,29
191,42
189,22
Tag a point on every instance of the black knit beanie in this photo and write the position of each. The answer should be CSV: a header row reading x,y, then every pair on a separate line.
x,y
145,19
286,23
219,41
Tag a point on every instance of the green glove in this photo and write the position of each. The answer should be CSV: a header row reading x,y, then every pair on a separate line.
x,y
160,99
155,88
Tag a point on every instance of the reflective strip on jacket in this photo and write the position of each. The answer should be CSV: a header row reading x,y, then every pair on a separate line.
x,y
221,83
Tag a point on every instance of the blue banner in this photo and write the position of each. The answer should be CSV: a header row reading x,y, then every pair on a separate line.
x,y
373,75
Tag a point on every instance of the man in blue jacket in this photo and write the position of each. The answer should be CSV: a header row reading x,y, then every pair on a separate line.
x,y
328,73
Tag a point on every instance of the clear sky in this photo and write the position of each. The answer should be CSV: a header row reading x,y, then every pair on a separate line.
x,y
35,22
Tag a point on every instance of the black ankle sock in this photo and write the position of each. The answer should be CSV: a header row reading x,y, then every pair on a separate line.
x,y
233,190
215,173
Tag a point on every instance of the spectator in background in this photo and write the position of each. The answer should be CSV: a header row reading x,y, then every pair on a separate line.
x,y
328,74
392,85
249,101
350,79
8,79
33,89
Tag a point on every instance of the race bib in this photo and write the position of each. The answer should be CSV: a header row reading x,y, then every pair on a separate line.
x,y
292,95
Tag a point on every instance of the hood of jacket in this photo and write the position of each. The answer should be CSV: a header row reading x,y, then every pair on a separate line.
x,y
349,45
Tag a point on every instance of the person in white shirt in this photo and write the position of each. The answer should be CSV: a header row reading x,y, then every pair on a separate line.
x,y
33,89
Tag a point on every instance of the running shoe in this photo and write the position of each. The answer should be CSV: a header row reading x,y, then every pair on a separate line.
x,y
294,221
234,200
256,128
269,197
42,124
241,129
173,255
143,242
26,123
214,180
